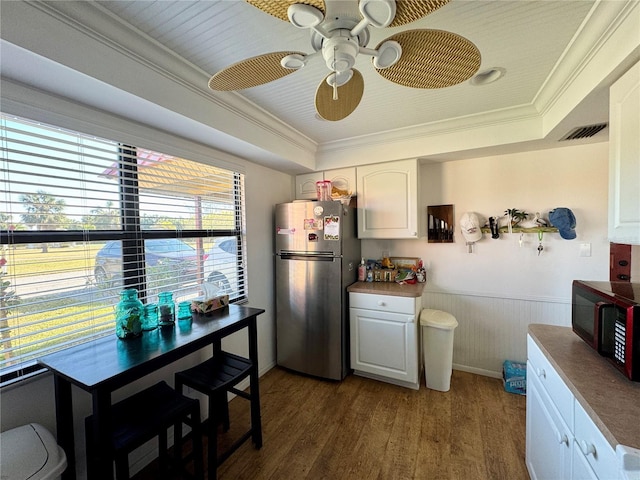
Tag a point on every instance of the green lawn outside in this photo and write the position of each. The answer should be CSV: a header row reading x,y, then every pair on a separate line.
x,y
30,261
31,329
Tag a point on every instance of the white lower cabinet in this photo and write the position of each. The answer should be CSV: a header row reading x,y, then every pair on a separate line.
x,y
384,338
562,441
548,436
593,447
581,468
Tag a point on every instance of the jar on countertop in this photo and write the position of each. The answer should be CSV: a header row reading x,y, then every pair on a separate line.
x,y
129,313
166,309
150,319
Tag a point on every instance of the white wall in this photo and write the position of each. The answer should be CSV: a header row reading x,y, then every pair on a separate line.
x,y
502,287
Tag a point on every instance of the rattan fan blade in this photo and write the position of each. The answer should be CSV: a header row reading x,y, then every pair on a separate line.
x,y
408,11
432,59
251,72
278,8
349,96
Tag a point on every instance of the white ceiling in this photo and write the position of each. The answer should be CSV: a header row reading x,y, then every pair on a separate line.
x,y
544,46
524,37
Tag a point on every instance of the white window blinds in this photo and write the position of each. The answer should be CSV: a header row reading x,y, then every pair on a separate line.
x,y
81,218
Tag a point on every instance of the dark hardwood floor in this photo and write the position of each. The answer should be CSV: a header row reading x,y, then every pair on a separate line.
x,y
365,429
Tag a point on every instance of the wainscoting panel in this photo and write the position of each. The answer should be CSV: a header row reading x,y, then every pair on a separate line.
x,y
492,329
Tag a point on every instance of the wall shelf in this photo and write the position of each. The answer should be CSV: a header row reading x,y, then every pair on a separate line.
x,y
522,230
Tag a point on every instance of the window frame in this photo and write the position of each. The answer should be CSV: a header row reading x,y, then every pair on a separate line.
x,y
132,237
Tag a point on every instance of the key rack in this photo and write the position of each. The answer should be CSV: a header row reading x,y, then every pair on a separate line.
x,y
522,230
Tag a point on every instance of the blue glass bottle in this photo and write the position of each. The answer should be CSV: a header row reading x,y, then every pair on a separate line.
x,y
129,313
166,309
184,311
150,319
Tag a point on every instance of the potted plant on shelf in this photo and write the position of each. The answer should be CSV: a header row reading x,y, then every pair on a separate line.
x,y
515,216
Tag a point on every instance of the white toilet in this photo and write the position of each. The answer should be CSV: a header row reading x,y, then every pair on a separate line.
x,y
30,452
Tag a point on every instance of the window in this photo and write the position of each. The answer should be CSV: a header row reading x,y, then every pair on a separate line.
x,y
82,218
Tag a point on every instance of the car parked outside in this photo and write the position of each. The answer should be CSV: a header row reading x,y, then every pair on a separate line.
x,y
176,254
221,266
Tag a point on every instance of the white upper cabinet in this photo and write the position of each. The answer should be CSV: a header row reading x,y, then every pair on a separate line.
x,y
342,178
306,185
624,158
388,200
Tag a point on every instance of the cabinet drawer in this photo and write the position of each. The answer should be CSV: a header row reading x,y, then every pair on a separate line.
x,y
551,381
591,443
385,303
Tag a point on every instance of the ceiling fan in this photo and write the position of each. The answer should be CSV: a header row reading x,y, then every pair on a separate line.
x,y
414,58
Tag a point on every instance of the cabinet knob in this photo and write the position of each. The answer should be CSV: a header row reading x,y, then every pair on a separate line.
x,y
563,439
587,448
381,303
541,373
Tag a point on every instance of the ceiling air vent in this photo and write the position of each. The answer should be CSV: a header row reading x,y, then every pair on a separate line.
x,y
584,132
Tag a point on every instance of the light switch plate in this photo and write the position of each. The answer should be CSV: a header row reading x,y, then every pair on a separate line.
x,y
585,249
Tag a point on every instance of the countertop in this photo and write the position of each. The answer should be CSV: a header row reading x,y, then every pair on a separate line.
x,y
609,398
388,288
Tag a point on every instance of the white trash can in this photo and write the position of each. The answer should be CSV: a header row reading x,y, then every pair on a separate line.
x,y
437,347
31,452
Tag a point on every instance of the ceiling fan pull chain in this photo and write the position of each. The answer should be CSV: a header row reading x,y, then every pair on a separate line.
x,y
335,76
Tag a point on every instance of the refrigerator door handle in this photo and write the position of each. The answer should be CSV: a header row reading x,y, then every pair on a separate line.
x,y
309,256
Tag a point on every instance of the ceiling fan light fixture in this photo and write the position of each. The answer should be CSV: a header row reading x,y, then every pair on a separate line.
x,y
488,76
339,78
379,13
293,62
304,16
388,54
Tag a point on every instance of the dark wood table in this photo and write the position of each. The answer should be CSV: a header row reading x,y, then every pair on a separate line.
x,y
101,366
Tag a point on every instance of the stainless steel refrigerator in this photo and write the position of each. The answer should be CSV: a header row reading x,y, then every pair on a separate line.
x,y
317,255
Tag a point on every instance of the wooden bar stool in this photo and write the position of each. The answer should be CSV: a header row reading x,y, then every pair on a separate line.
x,y
214,378
148,414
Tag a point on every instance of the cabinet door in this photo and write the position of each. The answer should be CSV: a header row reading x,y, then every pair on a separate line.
x,y
306,185
343,178
384,344
548,440
581,468
624,152
388,200
591,445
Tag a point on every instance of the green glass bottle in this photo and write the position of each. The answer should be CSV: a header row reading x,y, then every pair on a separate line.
x,y
129,313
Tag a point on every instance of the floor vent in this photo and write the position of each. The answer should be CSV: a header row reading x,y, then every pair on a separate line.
x,y
584,132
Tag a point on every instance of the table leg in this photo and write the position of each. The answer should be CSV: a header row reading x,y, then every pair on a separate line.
x,y
64,424
100,463
256,422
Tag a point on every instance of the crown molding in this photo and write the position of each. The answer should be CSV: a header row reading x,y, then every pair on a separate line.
x,y
506,126
599,49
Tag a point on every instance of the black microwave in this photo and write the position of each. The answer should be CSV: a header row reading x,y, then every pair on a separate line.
x,y
606,315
